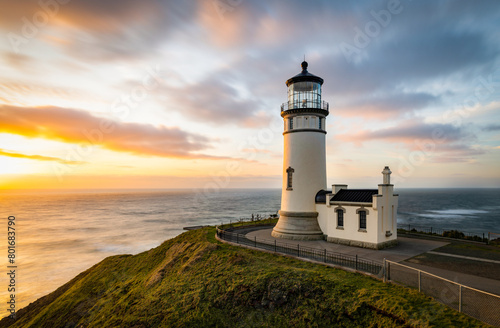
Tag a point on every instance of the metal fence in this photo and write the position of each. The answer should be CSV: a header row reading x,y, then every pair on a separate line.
x,y
473,302
449,233
493,238
321,255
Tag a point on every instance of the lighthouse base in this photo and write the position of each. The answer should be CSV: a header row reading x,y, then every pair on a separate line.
x,y
298,226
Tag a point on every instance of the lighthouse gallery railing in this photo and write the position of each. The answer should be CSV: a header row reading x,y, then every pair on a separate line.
x,y
305,104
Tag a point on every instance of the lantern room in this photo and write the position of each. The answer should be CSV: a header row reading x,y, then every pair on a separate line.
x,y
304,91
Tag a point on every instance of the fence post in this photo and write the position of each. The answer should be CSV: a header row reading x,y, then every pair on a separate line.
x,y
385,271
275,245
459,298
388,271
356,262
237,241
325,255
419,277
298,250
255,241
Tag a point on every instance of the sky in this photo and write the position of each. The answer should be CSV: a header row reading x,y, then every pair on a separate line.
x,y
123,94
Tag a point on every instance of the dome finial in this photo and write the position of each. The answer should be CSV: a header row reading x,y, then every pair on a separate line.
x,y
304,65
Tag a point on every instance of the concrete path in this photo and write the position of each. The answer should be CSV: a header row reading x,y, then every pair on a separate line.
x,y
464,257
407,247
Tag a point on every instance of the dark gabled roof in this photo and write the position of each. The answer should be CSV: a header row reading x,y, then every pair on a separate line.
x,y
355,195
347,195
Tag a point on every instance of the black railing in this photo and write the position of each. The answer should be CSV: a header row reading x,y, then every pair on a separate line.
x,y
448,233
317,104
320,255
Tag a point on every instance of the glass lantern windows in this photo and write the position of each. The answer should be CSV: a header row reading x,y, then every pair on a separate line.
x,y
304,95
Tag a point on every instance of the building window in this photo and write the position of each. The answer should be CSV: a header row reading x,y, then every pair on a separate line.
x,y
289,172
362,220
320,123
290,126
340,218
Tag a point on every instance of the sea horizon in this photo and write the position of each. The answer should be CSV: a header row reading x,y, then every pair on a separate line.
x,y
96,190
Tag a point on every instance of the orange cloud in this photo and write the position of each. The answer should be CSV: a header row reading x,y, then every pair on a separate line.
x,y
34,181
255,150
37,157
90,14
80,127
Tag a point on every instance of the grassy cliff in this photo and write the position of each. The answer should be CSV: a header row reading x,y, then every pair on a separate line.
x,y
195,281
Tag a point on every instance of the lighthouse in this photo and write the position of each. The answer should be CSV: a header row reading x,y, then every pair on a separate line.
x,y
309,211
304,159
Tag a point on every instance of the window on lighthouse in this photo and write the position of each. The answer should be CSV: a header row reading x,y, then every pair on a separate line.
x,y
289,172
290,126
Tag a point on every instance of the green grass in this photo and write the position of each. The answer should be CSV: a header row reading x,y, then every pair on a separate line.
x,y
473,250
195,281
236,224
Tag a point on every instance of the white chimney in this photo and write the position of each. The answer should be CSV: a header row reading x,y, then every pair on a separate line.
x,y
387,175
336,188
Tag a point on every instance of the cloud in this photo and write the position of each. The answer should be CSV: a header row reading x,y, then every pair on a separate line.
x,y
456,153
387,106
95,29
255,150
3,152
408,132
492,127
80,127
19,61
216,101
444,143
18,92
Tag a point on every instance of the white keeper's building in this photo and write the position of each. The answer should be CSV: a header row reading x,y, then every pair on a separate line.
x,y
357,217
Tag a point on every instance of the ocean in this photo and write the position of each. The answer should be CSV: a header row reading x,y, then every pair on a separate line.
x,y
59,235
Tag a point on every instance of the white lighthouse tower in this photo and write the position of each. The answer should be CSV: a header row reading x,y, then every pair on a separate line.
x,y
304,160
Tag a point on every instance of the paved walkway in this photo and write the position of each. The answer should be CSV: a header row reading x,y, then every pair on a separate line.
x,y
464,257
407,248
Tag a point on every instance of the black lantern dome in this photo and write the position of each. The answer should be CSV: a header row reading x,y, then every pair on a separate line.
x,y
304,76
